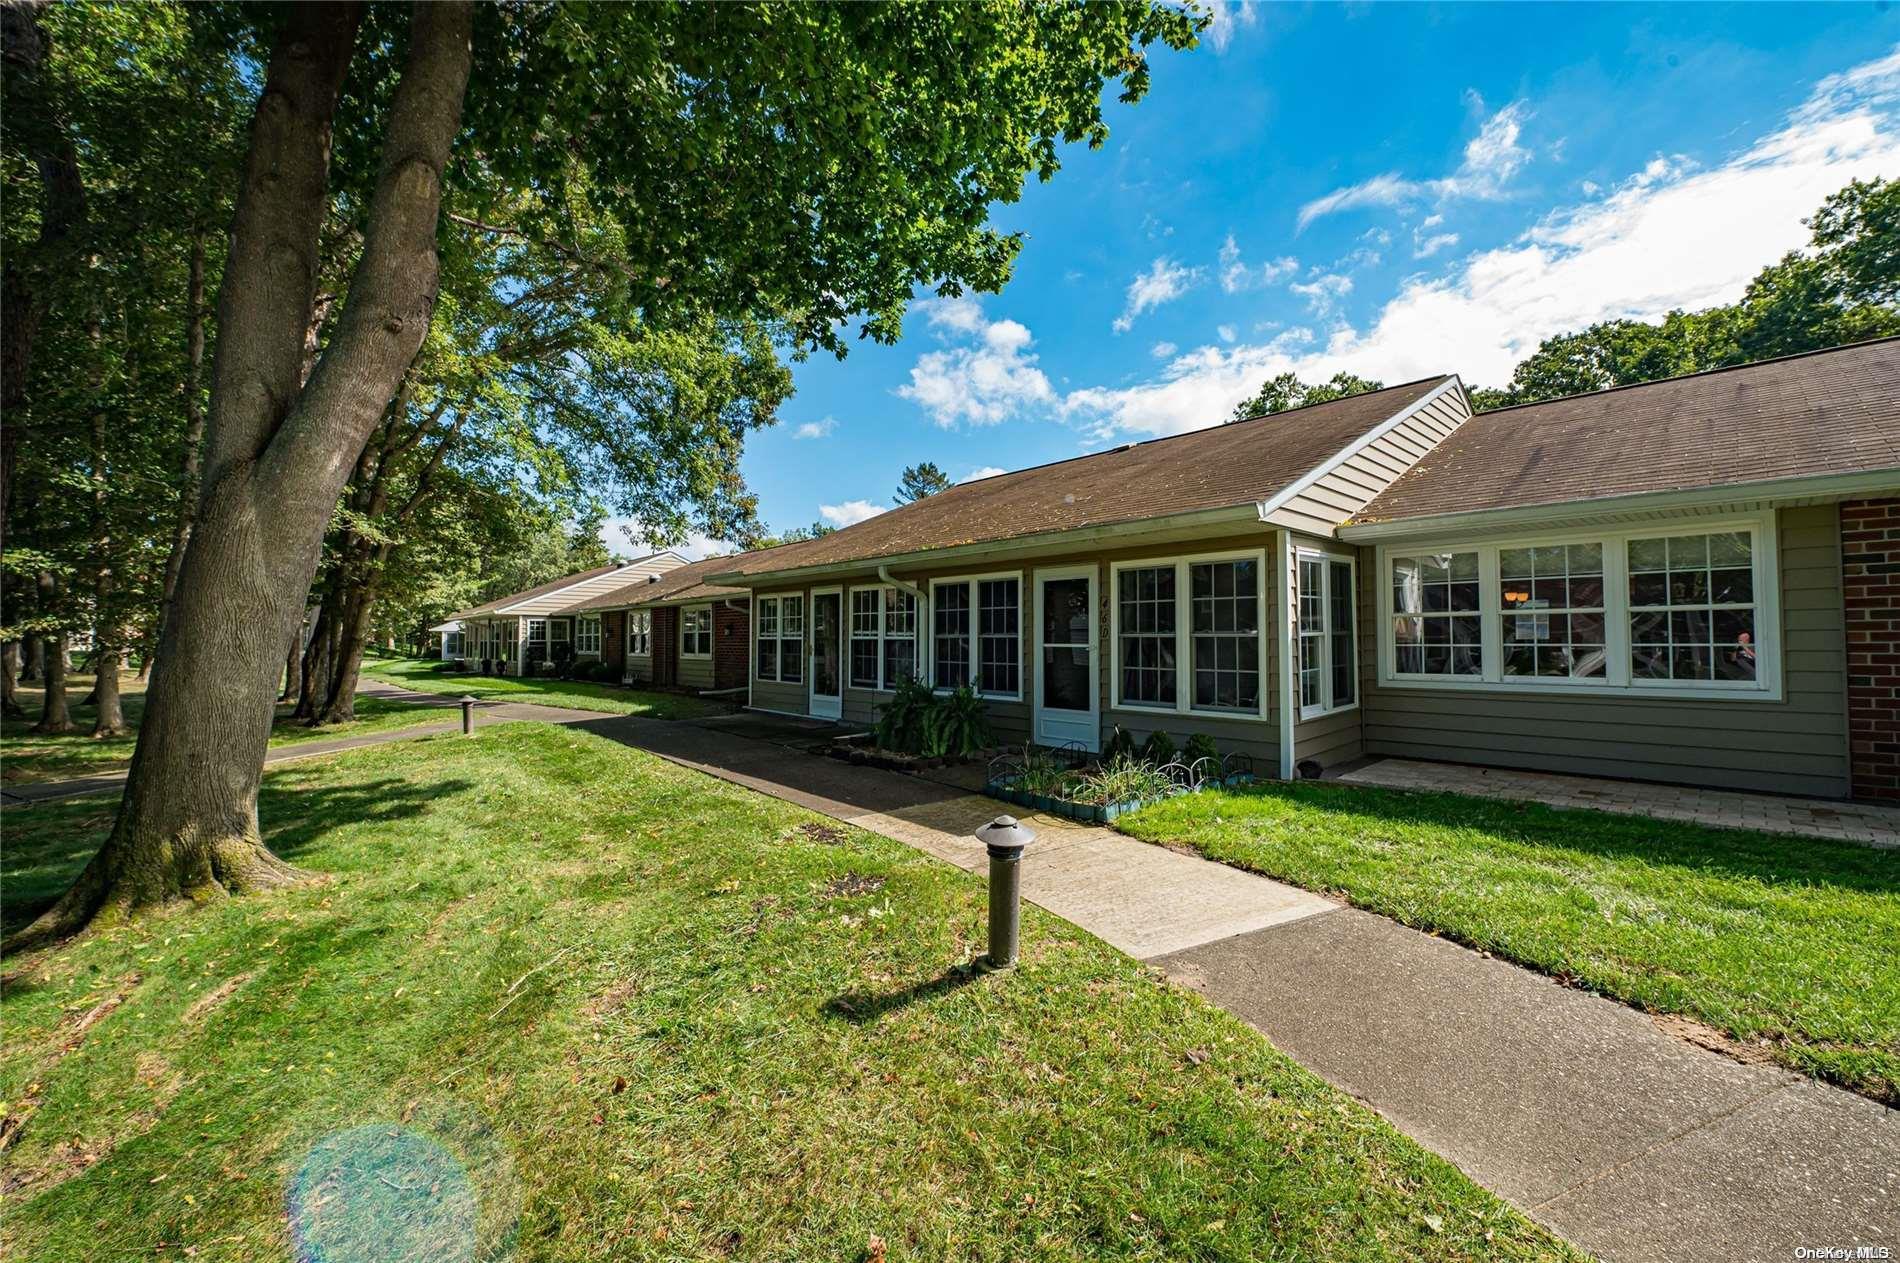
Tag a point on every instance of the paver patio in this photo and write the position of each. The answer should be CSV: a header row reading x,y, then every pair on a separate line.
x,y
1732,809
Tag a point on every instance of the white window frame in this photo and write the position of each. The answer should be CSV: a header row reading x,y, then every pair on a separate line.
x,y
1327,560
586,629
1617,680
1184,634
776,603
559,632
919,636
974,639
689,614
640,623
543,637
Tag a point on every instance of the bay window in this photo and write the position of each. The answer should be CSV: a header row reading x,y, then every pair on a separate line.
x,y
883,637
1328,638
639,633
976,634
1682,611
781,639
1206,658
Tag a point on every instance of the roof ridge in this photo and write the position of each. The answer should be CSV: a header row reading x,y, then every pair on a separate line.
x,y
1701,372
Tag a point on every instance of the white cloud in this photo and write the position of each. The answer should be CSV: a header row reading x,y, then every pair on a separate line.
x,y
816,429
1224,17
1163,282
1670,236
1322,292
1491,158
986,471
986,375
1226,332
1236,276
1428,246
850,513
1162,350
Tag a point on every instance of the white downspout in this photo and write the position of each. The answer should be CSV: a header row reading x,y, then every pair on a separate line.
x,y
1283,645
884,573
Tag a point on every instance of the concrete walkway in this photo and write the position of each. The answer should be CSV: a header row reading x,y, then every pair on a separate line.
x,y
1590,1116
1721,808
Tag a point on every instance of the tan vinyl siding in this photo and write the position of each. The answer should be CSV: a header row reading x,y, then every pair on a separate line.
x,y
1335,497
599,585
1328,740
694,673
791,699
1795,746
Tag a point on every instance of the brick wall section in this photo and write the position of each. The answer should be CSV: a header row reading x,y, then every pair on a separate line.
x,y
1870,575
732,639
613,640
666,646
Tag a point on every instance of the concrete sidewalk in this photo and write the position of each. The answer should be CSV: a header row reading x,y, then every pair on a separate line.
x,y
1587,1114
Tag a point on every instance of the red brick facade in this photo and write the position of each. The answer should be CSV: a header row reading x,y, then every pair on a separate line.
x,y
1870,576
613,640
732,643
666,646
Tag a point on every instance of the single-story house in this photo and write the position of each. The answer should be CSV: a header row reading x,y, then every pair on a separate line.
x,y
675,630
1693,581
523,629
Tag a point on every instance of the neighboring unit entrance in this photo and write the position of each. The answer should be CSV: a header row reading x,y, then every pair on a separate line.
x,y
827,654
1067,693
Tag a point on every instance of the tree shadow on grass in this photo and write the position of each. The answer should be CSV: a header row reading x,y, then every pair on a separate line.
x,y
1772,859
47,845
864,1008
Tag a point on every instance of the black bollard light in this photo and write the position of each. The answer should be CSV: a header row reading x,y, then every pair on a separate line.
x,y
468,716
1005,840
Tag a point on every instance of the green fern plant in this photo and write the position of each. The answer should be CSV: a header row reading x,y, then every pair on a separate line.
x,y
900,721
1158,749
956,724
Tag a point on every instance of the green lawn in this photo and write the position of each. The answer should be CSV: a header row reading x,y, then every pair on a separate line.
x,y
421,674
1788,944
27,759
651,1016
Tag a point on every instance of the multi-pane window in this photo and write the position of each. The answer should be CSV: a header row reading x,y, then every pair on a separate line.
x,y
696,634
639,633
1328,659
781,635
1692,608
1146,628
1312,633
767,629
999,637
950,635
1343,632
537,638
883,637
452,644
1437,627
867,623
1224,614
1552,603
587,635
558,629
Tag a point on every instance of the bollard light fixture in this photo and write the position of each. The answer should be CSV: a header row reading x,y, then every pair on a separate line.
x,y
468,716
1005,840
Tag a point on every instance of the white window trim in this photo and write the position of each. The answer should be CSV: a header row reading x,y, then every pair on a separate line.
x,y
645,618
582,625
562,626
1617,681
918,637
974,639
1327,560
685,612
779,637
1184,635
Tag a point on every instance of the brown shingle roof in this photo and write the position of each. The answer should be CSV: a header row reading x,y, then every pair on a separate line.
x,y
530,593
1825,412
1220,467
682,583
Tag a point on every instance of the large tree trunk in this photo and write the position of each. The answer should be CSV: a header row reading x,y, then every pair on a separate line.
x,y
276,458
107,631
33,659
188,462
55,717
9,681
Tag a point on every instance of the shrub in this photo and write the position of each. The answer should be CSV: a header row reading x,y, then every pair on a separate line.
x,y
1121,745
1158,748
900,721
1122,781
1201,746
956,724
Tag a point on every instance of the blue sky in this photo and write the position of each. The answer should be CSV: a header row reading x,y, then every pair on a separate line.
x,y
1395,190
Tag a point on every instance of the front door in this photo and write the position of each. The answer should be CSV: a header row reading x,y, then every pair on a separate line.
x,y
827,654
1067,691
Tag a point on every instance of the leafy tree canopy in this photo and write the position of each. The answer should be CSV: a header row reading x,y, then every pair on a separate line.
x,y
1285,391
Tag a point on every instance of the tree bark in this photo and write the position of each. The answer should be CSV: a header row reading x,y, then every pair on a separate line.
x,y
32,659
9,681
189,459
109,718
55,717
276,457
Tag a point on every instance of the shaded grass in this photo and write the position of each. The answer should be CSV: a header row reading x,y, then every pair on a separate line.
x,y
421,675
1786,942
654,1018
27,759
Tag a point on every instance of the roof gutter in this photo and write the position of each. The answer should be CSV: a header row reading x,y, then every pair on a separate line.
x,y
1819,486
884,573
1235,515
